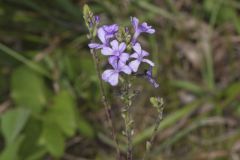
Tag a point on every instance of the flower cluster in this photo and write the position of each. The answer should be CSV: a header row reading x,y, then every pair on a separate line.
x,y
123,56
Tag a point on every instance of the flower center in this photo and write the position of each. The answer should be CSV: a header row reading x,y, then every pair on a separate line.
x,y
140,57
117,53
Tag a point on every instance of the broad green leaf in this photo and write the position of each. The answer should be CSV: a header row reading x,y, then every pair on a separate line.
x,y
13,122
30,145
62,113
53,139
27,89
10,152
38,155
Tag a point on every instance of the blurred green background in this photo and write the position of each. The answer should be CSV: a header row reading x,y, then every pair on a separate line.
x,y
49,97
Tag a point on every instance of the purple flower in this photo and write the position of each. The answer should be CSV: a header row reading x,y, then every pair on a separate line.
x,y
110,30
111,75
97,19
149,77
140,28
116,53
105,33
139,54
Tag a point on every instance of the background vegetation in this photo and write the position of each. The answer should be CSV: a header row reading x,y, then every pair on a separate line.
x,y
49,98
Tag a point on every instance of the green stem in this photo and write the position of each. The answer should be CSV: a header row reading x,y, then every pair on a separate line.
x,y
105,102
155,131
154,134
128,121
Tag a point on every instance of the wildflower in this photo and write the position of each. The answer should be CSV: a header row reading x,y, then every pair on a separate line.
x,y
97,19
105,33
112,75
140,28
94,21
116,52
139,55
113,43
110,30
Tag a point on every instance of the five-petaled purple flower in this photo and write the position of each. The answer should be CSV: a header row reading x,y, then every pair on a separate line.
x,y
139,55
105,33
140,28
116,53
111,75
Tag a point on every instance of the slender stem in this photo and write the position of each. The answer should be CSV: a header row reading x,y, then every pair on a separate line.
x,y
128,121
129,135
154,134
105,102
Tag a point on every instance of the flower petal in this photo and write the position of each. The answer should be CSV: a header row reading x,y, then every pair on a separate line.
x,y
144,27
113,79
122,47
111,29
114,44
122,67
135,36
148,61
124,57
135,22
107,51
134,65
101,35
126,69
151,31
134,55
95,45
137,48
113,60
106,74
144,53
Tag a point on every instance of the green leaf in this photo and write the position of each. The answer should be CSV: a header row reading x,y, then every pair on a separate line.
x,y
85,128
192,87
38,154
53,139
30,145
62,113
28,89
13,122
11,151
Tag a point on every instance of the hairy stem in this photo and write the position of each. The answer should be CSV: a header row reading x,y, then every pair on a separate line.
x,y
154,134
128,121
105,102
